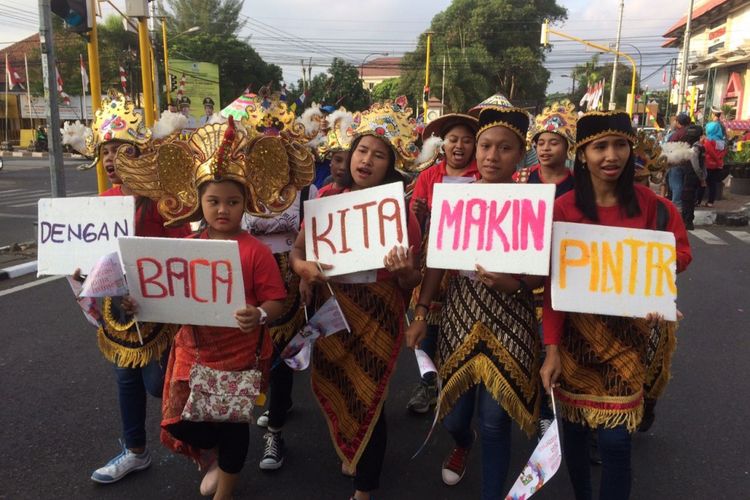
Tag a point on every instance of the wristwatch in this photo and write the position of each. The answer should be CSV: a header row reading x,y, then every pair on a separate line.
x,y
263,316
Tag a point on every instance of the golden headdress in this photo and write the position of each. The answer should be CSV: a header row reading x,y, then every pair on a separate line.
x,y
559,118
116,120
271,168
340,132
267,114
649,160
392,122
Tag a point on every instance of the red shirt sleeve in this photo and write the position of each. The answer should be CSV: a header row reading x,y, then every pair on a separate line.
x,y
553,321
421,188
682,244
261,273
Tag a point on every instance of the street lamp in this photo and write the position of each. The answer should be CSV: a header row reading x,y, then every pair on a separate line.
x,y
362,64
167,82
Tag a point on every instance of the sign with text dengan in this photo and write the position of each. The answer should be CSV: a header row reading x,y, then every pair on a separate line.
x,y
190,282
76,232
502,227
613,271
354,231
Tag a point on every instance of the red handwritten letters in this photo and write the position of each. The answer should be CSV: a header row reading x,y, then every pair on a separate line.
x,y
178,276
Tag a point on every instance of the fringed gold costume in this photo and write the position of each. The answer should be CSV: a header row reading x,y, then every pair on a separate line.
x,y
489,337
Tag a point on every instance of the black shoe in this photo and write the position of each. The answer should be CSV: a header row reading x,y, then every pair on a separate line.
x,y
273,454
648,415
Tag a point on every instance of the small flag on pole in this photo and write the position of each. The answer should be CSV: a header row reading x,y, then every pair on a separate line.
x,y
12,78
65,97
84,75
123,80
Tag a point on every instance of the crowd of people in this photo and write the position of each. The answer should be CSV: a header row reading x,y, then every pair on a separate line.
x,y
498,344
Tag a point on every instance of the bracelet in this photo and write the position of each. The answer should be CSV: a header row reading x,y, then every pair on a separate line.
x,y
427,308
521,287
419,317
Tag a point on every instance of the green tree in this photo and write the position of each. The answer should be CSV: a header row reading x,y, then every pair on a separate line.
x,y
215,17
593,71
387,89
341,86
489,46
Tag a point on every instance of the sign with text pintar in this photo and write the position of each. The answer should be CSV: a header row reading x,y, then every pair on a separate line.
x,y
189,282
502,227
355,231
76,232
614,271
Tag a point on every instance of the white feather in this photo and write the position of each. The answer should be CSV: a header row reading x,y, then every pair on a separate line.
x,y
218,118
169,123
677,152
430,148
75,134
341,116
306,119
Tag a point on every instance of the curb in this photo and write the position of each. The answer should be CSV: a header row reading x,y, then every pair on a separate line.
x,y
18,270
34,154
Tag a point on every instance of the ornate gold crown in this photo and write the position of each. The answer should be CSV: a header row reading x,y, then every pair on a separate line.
x,y
392,122
272,169
117,120
340,133
267,114
559,118
649,160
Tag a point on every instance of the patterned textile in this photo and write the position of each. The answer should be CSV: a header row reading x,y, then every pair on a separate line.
x,y
491,338
351,370
292,319
436,306
119,342
606,360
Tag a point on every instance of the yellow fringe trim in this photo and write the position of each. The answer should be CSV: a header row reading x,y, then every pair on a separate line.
x,y
140,356
480,370
597,417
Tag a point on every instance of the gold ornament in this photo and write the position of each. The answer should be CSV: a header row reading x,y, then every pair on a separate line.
x,y
559,118
392,122
649,160
340,133
117,120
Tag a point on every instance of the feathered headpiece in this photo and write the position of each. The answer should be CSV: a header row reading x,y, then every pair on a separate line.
x,y
649,160
392,122
116,120
339,136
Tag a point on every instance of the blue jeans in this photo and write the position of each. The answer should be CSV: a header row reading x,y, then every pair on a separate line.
x,y
494,430
674,180
429,346
132,385
614,447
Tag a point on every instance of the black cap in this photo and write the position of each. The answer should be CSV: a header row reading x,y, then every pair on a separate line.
x,y
208,101
596,124
514,119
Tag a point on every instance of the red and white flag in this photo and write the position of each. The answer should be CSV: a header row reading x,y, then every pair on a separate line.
x,y
123,81
84,75
181,88
586,99
65,97
12,78
664,77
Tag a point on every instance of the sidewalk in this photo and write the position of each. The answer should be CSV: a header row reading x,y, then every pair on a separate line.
x,y
28,154
729,205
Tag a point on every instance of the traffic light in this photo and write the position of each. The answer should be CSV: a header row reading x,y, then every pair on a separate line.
x,y
75,13
172,82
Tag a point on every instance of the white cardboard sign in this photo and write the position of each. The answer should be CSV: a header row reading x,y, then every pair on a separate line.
x,y
188,281
614,271
354,231
76,232
502,227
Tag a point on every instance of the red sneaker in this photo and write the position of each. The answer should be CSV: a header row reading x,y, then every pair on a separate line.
x,y
454,466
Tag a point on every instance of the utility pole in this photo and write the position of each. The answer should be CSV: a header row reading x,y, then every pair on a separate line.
x,y
612,103
426,96
46,39
685,52
442,91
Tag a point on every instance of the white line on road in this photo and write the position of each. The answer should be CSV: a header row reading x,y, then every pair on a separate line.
x,y
31,284
17,216
707,237
743,236
8,191
36,199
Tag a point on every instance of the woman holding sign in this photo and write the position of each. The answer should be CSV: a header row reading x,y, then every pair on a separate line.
x,y
489,344
455,134
599,362
138,352
351,370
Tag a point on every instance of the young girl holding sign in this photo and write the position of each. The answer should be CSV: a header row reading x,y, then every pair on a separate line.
x,y
138,356
222,184
489,344
365,357
600,361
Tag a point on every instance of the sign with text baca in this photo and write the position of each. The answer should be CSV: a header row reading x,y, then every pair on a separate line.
x,y
191,282
502,227
354,231
613,271
76,232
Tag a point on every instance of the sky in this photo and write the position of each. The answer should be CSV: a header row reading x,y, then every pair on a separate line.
x,y
286,31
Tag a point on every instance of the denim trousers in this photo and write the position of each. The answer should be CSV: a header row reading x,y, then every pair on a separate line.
x,y
132,386
614,447
675,176
429,346
494,431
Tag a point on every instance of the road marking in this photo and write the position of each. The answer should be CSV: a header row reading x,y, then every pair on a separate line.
x,y
17,216
707,237
35,199
7,191
31,284
743,236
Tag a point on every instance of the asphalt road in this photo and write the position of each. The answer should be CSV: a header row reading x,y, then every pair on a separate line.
x,y
59,417
22,182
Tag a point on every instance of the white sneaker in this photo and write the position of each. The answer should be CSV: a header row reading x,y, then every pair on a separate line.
x,y
262,421
122,465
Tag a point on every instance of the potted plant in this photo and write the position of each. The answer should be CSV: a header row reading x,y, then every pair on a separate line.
x,y
739,168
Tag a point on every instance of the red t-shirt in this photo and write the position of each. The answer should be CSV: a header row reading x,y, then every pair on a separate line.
x,y
566,211
434,175
260,272
148,220
328,190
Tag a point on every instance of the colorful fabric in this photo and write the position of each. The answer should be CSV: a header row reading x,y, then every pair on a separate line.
x,y
606,362
489,337
292,318
351,370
